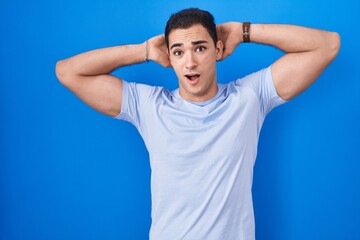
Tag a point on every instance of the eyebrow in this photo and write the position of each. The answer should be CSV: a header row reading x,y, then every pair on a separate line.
x,y
193,43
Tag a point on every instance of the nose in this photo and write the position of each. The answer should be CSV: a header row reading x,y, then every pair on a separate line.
x,y
191,62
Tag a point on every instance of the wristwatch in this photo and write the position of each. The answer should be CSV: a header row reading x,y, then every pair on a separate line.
x,y
246,31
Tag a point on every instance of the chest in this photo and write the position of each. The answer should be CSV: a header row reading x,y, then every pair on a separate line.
x,y
185,130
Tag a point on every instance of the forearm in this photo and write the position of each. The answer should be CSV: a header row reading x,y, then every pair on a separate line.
x,y
291,38
102,61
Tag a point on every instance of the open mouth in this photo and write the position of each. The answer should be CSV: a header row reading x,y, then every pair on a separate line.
x,y
192,77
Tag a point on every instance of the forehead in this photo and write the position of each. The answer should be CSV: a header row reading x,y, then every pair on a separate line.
x,y
195,32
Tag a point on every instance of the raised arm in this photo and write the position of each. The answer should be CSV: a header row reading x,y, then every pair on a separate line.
x,y
88,76
308,52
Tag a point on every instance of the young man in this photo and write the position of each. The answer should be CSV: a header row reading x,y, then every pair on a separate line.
x,y
202,137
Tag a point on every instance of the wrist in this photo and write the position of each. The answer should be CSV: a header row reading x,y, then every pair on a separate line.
x,y
239,31
146,57
148,50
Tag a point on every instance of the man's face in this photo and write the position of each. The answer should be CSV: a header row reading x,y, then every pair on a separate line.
x,y
193,57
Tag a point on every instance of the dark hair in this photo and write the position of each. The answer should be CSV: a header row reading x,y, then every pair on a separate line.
x,y
187,18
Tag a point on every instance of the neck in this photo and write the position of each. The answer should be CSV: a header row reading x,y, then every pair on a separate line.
x,y
202,96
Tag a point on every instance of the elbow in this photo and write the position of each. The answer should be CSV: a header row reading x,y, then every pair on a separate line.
x,y
334,44
329,47
61,71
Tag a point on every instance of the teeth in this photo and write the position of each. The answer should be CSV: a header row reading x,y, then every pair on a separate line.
x,y
191,76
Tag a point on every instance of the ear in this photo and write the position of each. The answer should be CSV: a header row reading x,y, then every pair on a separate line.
x,y
219,50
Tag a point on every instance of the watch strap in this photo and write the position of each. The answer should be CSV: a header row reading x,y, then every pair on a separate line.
x,y
246,31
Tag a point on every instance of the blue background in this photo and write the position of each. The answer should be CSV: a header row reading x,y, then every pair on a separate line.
x,y
69,172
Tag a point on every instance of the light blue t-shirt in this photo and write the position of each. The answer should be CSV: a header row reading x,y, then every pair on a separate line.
x,y
202,156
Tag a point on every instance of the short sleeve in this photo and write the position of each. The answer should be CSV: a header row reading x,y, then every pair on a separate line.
x,y
134,97
262,84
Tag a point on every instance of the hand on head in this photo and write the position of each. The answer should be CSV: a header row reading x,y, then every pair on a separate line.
x,y
230,35
158,51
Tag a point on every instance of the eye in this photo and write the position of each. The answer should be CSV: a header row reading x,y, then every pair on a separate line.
x,y
177,52
200,49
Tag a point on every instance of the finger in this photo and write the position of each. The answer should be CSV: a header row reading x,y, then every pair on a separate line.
x,y
225,55
167,65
